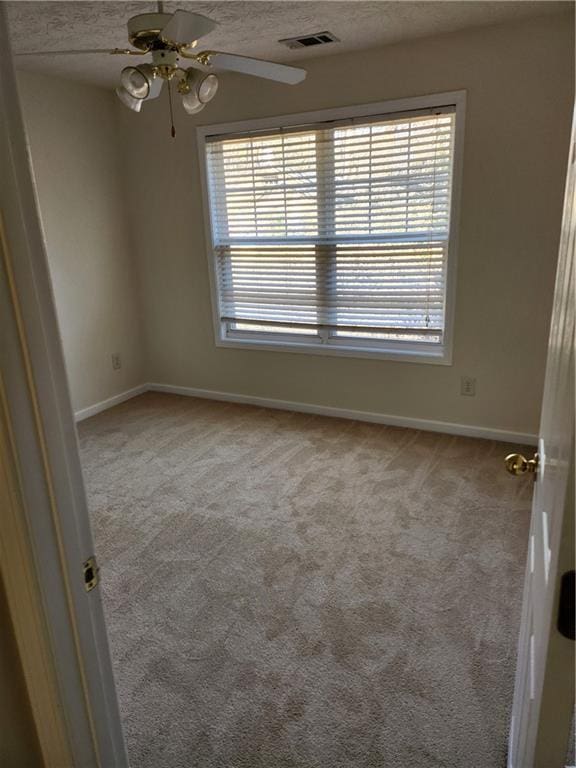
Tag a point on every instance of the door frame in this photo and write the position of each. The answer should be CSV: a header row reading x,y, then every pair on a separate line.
x,y
55,537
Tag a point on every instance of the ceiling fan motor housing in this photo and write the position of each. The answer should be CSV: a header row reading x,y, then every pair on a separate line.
x,y
144,30
165,58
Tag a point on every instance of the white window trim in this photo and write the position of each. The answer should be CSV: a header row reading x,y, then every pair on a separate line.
x,y
392,351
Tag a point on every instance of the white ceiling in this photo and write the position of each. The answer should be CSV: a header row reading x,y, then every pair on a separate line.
x,y
250,28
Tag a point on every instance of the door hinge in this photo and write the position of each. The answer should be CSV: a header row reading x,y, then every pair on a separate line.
x,y
90,570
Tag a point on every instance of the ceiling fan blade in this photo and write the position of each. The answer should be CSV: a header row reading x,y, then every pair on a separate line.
x,y
247,66
76,53
185,27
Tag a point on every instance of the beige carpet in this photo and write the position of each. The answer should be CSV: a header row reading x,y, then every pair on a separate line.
x,y
288,590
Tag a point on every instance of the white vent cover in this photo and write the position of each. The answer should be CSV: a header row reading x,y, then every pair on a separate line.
x,y
306,41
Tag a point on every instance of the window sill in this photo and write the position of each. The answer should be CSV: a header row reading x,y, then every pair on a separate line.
x,y
438,356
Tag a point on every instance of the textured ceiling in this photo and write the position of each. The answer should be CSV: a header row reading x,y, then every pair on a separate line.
x,y
249,28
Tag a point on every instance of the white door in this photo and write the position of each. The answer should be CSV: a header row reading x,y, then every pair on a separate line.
x,y
37,416
544,688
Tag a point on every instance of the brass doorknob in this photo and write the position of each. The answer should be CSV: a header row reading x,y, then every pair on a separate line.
x,y
517,464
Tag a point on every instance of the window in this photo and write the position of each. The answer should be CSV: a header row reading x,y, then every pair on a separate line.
x,y
335,235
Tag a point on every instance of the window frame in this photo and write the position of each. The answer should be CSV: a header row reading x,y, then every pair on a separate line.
x,y
390,350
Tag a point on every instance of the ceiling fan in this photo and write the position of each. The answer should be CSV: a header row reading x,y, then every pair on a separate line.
x,y
166,37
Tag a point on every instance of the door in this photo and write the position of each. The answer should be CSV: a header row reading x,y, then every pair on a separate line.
x,y
544,688
45,533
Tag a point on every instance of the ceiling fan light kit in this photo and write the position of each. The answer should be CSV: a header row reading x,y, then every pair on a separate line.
x,y
192,105
167,37
136,80
129,101
197,90
202,84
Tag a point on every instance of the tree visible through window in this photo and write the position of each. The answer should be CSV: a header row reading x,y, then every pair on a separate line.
x,y
335,233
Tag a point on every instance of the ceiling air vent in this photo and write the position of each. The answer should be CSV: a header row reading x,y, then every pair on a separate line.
x,y
306,41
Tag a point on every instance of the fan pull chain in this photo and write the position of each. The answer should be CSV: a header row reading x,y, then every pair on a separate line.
x,y
173,131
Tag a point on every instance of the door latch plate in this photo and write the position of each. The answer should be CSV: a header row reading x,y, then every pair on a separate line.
x,y
90,570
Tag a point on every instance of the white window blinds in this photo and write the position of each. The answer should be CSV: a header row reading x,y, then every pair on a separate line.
x,y
336,231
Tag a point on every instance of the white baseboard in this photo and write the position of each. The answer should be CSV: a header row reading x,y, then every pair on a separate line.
x,y
427,425
92,410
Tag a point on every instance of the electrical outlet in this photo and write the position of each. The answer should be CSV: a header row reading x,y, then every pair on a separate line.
x,y
468,386
116,361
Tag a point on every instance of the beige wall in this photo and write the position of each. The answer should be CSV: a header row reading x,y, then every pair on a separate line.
x,y
519,80
73,132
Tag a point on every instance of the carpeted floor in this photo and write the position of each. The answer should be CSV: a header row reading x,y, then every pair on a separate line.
x,y
285,590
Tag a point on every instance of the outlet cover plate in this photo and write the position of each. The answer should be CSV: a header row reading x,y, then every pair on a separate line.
x,y
468,386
